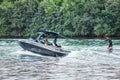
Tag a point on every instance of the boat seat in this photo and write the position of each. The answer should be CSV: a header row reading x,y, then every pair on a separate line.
x,y
42,42
49,43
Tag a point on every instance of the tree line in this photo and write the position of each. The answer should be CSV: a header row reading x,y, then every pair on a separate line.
x,y
71,18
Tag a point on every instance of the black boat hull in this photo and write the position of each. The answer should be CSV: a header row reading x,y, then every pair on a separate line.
x,y
39,48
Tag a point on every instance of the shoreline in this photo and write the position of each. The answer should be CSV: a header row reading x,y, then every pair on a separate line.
x,y
61,37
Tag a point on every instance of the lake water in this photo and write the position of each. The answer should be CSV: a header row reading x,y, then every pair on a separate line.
x,y
89,60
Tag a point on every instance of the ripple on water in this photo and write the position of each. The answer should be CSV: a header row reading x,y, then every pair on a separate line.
x,y
83,63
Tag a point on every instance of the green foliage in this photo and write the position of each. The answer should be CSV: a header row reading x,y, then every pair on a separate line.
x,y
6,4
19,18
104,29
68,33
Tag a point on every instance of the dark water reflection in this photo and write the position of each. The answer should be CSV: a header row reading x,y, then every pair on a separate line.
x,y
83,63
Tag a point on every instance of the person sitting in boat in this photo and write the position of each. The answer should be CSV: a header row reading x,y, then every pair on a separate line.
x,y
109,42
46,41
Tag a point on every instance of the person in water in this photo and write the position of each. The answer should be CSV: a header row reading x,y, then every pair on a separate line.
x,y
109,43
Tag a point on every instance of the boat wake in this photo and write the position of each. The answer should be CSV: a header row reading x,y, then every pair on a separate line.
x,y
24,55
90,54
24,52
93,53
112,54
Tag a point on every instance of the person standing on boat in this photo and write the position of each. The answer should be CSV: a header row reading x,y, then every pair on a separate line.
x,y
55,41
109,43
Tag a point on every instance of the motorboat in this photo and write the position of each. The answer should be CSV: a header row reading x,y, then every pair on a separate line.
x,y
38,45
